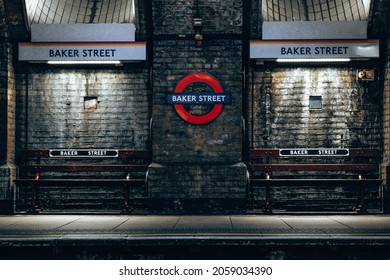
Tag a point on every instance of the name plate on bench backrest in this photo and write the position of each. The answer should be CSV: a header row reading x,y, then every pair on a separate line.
x,y
321,152
82,153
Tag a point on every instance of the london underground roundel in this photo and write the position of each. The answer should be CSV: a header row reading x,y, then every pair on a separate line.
x,y
179,98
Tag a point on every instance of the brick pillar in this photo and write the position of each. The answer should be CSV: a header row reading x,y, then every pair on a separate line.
x,y
7,119
386,128
197,168
379,28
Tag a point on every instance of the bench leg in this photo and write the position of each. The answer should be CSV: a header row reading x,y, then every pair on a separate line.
x,y
251,205
126,193
34,207
361,207
267,206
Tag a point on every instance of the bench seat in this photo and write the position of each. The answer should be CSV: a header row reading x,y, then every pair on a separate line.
x,y
79,182
314,182
44,168
313,167
353,167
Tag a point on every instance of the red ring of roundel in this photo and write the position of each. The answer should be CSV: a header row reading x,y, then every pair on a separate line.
x,y
195,78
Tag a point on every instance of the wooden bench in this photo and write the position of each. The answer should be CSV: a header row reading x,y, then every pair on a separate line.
x,y
82,167
360,167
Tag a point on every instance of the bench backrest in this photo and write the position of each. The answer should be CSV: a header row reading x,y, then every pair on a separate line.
x,y
351,152
95,153
357,160
83,160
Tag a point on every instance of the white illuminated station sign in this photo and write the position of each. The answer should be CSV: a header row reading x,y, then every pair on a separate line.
x,y
35,52
82,43
314,41
312,49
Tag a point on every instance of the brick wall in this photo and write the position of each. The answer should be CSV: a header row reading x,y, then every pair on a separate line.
x,y
180,150
197,169
7,117
172,17
3,84
351,116
386,103
62,112
379,28
174,140
11,106
386,128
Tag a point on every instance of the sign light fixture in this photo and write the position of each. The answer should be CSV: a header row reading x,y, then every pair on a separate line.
x,y
303,60
74,62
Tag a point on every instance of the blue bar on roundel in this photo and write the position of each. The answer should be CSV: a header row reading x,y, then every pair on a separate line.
x,y
198,98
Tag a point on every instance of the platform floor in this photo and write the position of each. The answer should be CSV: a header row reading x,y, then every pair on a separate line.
x,y
21,235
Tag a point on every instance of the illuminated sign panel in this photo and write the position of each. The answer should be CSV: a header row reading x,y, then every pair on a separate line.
x,y
38,52
354,49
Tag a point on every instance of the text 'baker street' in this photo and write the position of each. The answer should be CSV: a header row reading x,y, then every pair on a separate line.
x,y
82,53
204,98
314,51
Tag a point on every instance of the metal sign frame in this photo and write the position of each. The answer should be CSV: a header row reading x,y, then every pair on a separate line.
x,y
83,153
309,152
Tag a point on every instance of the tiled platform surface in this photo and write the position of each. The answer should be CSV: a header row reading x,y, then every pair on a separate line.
x,y
255,231
28,228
